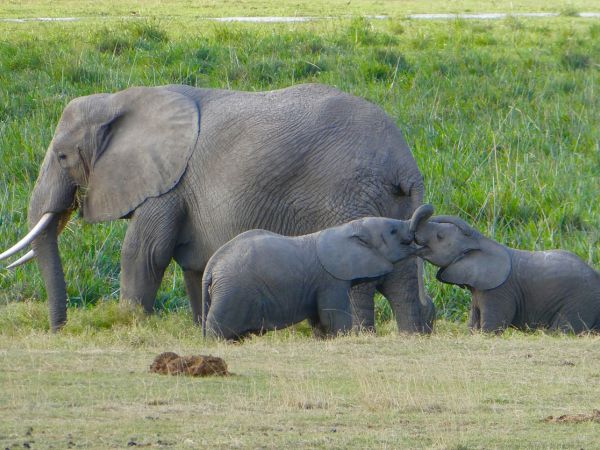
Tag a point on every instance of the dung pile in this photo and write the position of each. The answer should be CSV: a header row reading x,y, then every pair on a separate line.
x,y
169,363
575,418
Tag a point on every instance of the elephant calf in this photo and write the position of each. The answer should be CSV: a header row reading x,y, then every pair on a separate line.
x,y
262,281
545,289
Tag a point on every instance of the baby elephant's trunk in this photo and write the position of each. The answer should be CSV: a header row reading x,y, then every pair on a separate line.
x,y
421,214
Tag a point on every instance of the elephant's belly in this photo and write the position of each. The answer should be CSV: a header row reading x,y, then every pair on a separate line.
x,y
192,255
240,310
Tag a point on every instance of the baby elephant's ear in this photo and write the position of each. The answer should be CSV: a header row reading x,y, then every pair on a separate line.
x,y
483,269
348,254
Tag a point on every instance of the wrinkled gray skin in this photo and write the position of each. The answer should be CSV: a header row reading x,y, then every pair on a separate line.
x,y
261,281
192,168
544,289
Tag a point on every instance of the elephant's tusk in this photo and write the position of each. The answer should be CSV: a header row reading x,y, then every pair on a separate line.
x,y
37,229
22,260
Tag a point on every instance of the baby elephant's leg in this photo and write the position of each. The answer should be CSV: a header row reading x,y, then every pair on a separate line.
x,y
496,314
231,315
334,311
571,323
362,305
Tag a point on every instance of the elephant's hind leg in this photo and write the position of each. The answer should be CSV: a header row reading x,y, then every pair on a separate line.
x,y
193,287
148,248
474,318
235,310
412,308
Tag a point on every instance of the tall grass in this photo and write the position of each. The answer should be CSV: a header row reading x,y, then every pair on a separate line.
x,y
502,118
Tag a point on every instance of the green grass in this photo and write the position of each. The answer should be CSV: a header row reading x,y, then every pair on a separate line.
x,y
90,386
502,116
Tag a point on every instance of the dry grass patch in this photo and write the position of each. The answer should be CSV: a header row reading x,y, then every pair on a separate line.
x,y
444,391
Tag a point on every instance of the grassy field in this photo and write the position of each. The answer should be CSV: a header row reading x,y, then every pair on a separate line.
x,y
89,387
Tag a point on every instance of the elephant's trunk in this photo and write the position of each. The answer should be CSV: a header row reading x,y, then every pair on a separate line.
x,y
421,214
46,251
426,308
53,193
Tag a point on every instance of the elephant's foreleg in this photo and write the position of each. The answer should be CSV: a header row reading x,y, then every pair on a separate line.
x,y
147,250
334,311
193,287
362,306
413,309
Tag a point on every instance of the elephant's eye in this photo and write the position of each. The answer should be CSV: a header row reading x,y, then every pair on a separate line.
x,y
62,156
440,236
394,231
361,240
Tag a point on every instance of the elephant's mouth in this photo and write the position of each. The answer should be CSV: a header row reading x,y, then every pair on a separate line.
x,y
454,261
411,250
421,250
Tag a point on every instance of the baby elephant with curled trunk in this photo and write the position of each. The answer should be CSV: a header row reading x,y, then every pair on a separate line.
x,y
544,289
262,281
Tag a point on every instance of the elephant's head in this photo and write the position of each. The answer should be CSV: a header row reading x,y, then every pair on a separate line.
x,y
109,153
368,247
465,257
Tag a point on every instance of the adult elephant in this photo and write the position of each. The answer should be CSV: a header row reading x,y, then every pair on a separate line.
x,y
192,168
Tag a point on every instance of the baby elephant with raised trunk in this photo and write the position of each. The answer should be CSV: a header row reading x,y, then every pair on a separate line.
x,y
262,281
544,289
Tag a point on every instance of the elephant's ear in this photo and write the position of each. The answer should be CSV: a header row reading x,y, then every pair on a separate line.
x,y
484,268
145,140
346,254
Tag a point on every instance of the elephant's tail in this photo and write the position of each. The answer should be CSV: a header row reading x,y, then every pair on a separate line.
x,y
206,282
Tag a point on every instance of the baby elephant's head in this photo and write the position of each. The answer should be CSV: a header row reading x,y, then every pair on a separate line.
x,y
394,239
368,247
465,257
445,239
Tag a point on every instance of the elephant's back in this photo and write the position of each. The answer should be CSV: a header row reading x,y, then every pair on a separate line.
x,y
566,288
563,265
262,262
307,111
303,126
297,160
